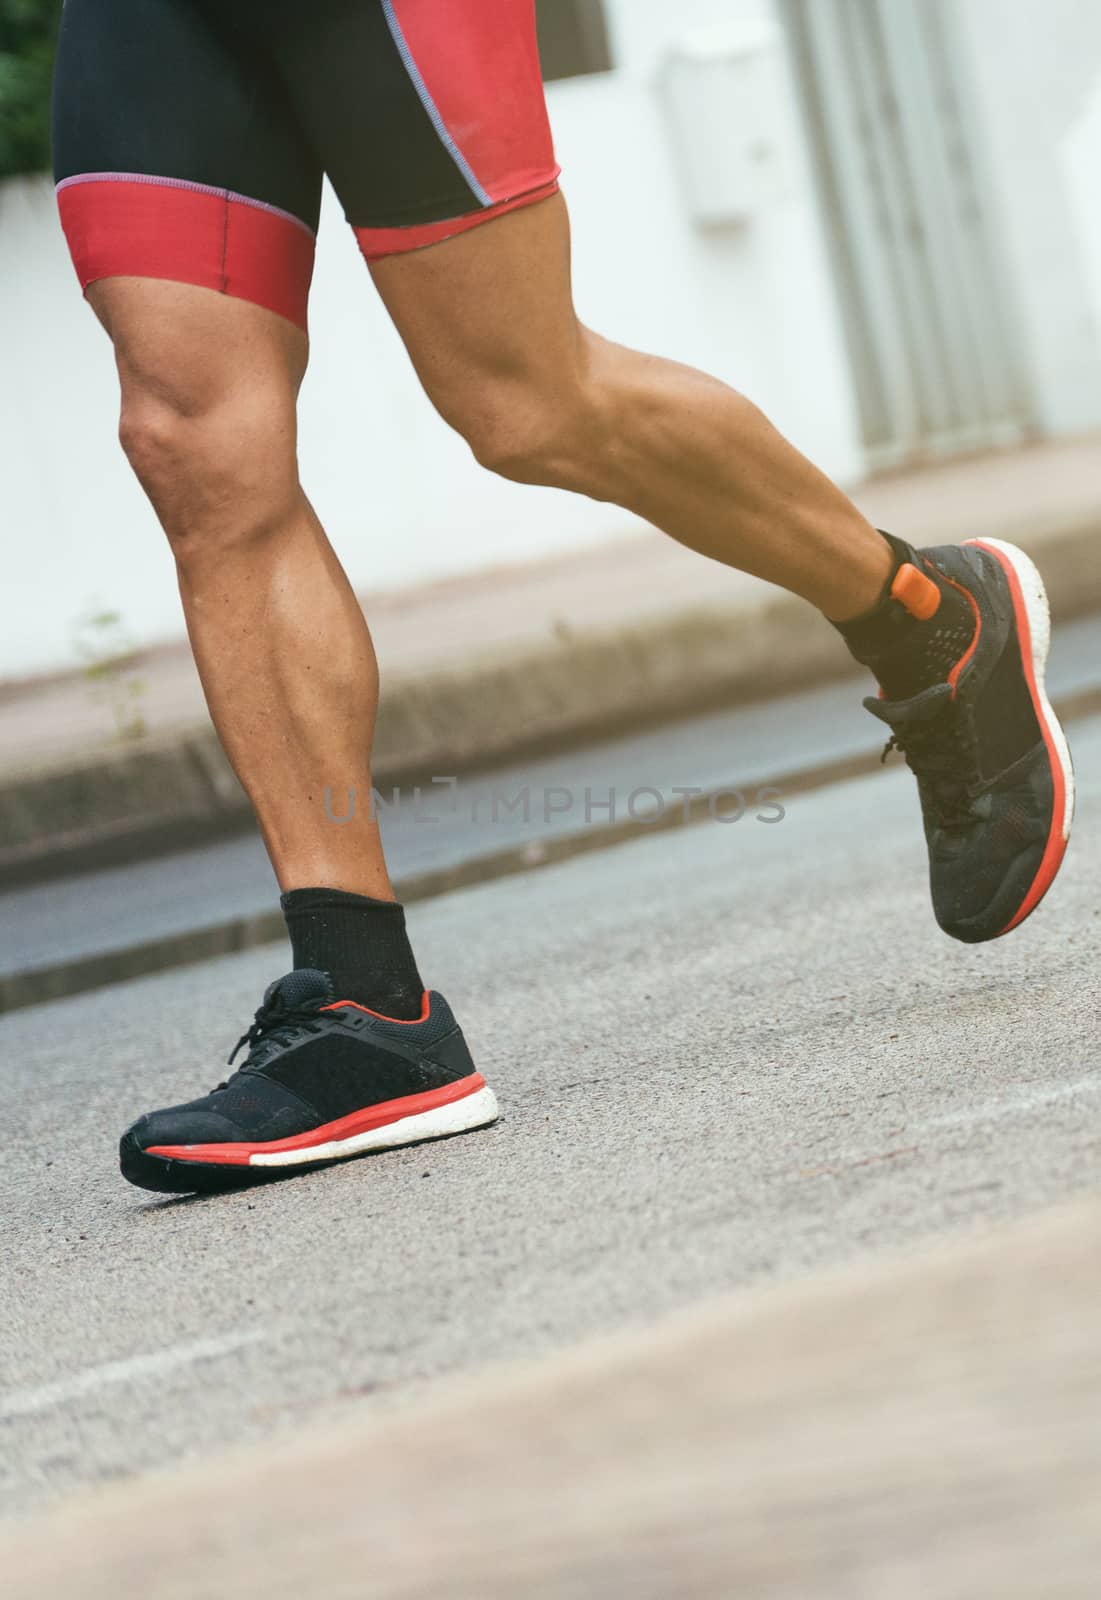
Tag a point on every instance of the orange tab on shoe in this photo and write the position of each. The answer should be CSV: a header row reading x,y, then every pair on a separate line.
x,y
916,593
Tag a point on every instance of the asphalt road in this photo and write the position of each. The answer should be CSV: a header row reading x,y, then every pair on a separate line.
x,y
724,1054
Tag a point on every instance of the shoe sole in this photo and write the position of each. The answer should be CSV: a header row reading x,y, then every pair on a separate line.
x,y
204,1168
1033,615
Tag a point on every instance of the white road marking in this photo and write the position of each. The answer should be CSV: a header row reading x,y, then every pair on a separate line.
x,y
26,1402
1017,1105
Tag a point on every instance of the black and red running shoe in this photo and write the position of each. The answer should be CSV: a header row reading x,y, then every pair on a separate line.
x,y
324,1079
992,763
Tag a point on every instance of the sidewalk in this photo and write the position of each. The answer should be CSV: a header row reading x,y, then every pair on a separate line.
x,y
922,1426
516,661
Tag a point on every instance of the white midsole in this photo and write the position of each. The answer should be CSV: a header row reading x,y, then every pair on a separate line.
x,y
473,1111
1039,627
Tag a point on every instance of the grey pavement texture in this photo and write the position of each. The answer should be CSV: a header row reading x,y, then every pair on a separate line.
x,y
725,1055
923,1426
80,932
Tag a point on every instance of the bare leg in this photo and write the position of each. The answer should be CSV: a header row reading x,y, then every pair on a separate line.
x,y
209,389
488,320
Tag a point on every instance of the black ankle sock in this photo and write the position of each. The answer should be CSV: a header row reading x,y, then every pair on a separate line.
x,y
361,943
916,632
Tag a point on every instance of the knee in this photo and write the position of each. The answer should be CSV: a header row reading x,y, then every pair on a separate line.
x,y
536,433
215,471
157,443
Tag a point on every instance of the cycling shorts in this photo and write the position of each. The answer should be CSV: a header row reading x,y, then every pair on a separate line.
x,y
191,136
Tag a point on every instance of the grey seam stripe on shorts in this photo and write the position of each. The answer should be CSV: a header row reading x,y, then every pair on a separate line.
x,y
184,183
430,106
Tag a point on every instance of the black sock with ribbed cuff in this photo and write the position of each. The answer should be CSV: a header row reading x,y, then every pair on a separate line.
x,y
361,943
918,629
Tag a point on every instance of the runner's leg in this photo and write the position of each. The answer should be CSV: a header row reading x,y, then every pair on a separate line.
x,y
956,639
209,385
190,197
489,322
431,122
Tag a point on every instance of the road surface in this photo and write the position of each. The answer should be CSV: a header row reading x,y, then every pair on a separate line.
x,y
725,1054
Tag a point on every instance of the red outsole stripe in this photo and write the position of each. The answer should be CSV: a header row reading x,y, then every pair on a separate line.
x,y
1056,846
380,1116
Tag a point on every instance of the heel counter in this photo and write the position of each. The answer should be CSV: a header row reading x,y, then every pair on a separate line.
x,y
452,1054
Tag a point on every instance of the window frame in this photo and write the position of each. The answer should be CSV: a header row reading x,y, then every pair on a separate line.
x,y
582,48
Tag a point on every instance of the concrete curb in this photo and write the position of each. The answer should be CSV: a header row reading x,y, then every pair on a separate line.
x,y
125,803
925,1425
39,985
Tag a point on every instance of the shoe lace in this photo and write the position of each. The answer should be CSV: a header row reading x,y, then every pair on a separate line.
x,y
277,1023
936,753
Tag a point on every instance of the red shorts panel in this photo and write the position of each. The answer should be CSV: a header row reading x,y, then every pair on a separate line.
x,y
191,138
378,243
124,226
479,64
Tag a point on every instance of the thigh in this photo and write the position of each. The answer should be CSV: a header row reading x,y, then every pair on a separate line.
x,y
428,115
488,319
178,154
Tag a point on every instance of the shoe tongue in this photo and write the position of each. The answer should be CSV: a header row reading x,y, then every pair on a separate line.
x,y
300,987
905,713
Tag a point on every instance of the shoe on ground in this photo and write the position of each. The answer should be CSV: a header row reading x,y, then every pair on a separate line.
x,y
324,1079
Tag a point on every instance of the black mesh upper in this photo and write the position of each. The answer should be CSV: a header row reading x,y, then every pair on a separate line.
x,y
984,773
250,1107
339,1073
308,1067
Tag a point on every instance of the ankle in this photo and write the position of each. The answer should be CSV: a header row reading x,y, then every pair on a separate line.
x,y
880,558
918,629
361,943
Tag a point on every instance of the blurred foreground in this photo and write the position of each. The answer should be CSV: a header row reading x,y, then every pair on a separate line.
x,y
928,1427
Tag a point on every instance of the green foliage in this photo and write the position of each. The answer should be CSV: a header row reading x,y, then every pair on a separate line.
x,y
28,30
109,657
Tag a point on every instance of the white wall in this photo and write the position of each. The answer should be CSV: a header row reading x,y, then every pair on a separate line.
x,y
1035,68
1082,164
401,497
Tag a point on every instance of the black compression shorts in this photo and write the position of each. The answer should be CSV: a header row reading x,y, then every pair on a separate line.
x,y
191,136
